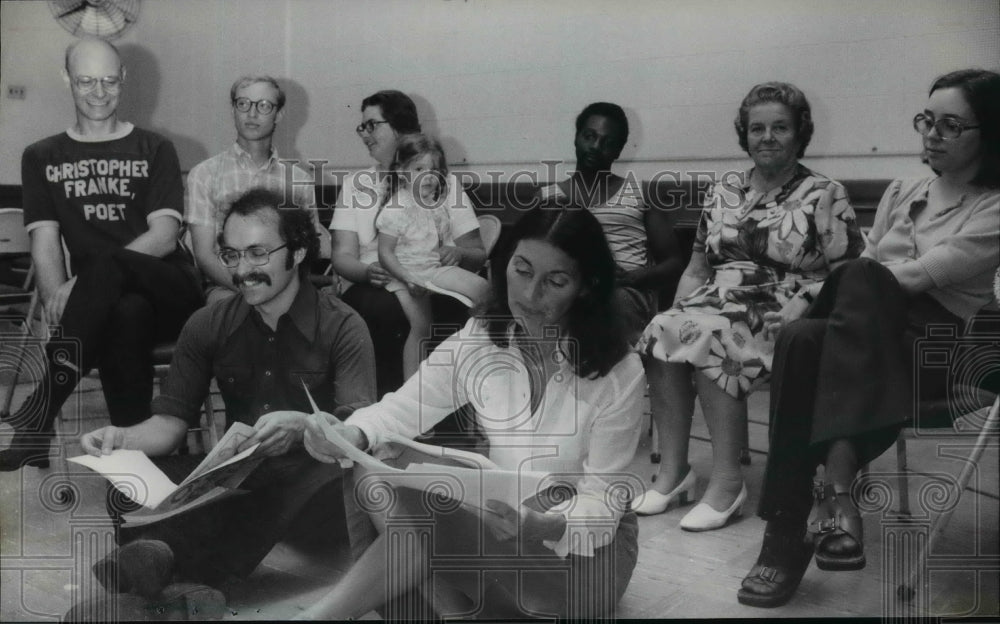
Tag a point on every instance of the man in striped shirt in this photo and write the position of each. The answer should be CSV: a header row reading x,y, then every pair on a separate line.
x,y
642,240
258,105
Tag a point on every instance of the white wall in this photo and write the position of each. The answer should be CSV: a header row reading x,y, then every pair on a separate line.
x,y
501,82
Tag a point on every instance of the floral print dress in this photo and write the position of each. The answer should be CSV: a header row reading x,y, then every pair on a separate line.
x,y
763,248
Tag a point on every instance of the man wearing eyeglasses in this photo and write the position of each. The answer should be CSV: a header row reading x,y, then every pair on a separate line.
x,y
261,347
258,104
112,192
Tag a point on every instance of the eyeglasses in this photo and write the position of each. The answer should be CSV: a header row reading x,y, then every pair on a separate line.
x,y
368,126
264,107
255,255
86,84
947,128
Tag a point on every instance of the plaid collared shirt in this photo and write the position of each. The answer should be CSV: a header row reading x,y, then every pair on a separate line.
x,y
213,184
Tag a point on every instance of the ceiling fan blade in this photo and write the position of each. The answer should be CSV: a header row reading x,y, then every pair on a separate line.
x,y
75,7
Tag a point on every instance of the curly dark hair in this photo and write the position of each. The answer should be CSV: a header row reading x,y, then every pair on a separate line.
x,y
295,225
782,93
605,109
594,323
981,89
397,108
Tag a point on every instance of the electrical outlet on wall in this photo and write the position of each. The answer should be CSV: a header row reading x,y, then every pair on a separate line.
x,y
16,92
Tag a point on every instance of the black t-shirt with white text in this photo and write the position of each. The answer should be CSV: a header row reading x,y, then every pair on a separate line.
x,y
102,194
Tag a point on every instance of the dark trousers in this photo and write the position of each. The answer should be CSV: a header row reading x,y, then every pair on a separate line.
x,y
388,328
845,371
122,305
231,536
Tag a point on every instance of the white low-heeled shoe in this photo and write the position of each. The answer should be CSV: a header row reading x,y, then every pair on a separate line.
x,y
652,502
703,518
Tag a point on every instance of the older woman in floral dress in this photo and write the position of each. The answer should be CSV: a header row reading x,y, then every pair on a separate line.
x,y
766,241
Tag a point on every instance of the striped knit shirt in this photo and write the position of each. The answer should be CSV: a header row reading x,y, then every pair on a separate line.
x,y
622,217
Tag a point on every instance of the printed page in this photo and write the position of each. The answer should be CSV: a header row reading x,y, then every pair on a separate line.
x,y
134,474
228,474
225,451
471,486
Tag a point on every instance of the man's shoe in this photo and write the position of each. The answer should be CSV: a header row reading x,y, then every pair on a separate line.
x,y
142,567
109,608
783,560
188,601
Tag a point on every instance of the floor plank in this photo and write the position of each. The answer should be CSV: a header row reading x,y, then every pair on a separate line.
x,y
679,574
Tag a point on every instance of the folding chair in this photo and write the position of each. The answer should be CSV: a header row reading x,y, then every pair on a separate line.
x,y
15,243
970,410
988,416
16,240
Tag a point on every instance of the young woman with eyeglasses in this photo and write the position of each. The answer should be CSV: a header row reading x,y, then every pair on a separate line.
x,y
844,375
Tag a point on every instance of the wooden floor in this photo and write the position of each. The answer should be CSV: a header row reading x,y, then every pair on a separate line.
x,y
52,527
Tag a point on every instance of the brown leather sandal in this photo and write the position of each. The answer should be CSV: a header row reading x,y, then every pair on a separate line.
x,y
783,560
839,530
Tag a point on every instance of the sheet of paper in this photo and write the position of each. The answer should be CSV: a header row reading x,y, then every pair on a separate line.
x,y
352,452
471,486
431,286
466,457
345,464
133,474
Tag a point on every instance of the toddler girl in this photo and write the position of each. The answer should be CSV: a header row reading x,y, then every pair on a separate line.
x,y
412,224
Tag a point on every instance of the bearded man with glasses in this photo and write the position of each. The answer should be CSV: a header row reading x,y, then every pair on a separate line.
x,y
112,192
258,104
261,346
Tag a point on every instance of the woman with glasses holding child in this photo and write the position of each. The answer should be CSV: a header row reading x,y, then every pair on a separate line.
x,y
842,383
386,117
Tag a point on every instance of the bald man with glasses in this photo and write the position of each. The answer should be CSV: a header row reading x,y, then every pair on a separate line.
x,y
113,194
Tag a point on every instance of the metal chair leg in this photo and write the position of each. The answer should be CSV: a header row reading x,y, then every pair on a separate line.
x,y
907,590
903,486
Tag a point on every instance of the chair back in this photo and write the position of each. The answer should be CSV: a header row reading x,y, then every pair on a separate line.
x,y
489,231
14,239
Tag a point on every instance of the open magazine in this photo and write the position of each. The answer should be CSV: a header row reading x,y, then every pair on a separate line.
x,y
217,476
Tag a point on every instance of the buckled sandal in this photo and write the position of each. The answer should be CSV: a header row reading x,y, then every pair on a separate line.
x,y
783,560
839,531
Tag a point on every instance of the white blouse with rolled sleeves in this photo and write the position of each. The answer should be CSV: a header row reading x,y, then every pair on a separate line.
x,y
584,427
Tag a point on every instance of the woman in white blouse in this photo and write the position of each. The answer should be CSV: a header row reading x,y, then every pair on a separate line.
x,y
556,389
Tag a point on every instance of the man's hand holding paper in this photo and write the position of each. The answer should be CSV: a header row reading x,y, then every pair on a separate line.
x,y
342,442
277,432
